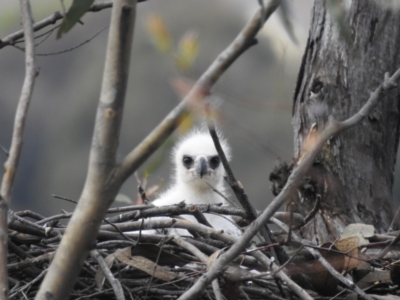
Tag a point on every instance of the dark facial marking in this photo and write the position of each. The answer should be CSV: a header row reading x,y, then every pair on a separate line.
x,y
214,162
187,161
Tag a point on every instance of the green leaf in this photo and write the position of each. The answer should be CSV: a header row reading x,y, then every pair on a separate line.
x,y
73,15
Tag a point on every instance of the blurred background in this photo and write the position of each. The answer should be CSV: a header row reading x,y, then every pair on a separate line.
x,y
254,97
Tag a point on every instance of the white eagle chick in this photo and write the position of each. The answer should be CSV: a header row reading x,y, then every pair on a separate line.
x,y
198,169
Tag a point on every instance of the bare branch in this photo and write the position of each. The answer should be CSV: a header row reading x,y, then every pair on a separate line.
x,y
98,193
281,275
318,141
217,290
192,249
11,164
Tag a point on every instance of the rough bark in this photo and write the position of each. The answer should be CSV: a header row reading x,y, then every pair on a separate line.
x,y
349,49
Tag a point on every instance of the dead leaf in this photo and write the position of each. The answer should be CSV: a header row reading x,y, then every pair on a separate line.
x,y
350,246
151,251
363,231
143,264
371,278
213,257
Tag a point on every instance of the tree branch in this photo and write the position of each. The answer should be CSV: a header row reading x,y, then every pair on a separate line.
x,y
11,164
236,186
316,140
116,285
97,193
50,20
244,40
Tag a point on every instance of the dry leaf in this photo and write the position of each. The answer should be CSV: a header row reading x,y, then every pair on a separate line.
x,y
213,257
350,246
151,251
363,231
368,278
143,264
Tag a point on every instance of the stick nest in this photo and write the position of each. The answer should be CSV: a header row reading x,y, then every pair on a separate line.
x,y
137,257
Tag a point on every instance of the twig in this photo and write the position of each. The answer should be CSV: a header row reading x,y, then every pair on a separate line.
x,y
50,20
395,220
27,263
116,228
64,198
237,188
29,284
387,248
116,285
348,283
199,216
304,163
222,195
315,209
2,148
11,164
281,275
171,210
240,194
290,222
189,247
217,290
74,47
142,194
155,266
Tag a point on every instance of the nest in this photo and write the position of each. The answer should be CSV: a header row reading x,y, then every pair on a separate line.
x,y
138,256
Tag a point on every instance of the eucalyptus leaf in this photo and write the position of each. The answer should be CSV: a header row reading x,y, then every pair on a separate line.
x,y
73,15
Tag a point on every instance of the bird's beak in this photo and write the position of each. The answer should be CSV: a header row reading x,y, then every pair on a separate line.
x,y
201,167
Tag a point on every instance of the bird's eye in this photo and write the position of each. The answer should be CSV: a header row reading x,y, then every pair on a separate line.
x,y
214,162
187,161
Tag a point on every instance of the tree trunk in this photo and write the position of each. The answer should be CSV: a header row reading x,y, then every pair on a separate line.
x,y
351,45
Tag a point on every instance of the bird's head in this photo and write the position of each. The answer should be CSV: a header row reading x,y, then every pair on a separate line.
x,y
197,162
